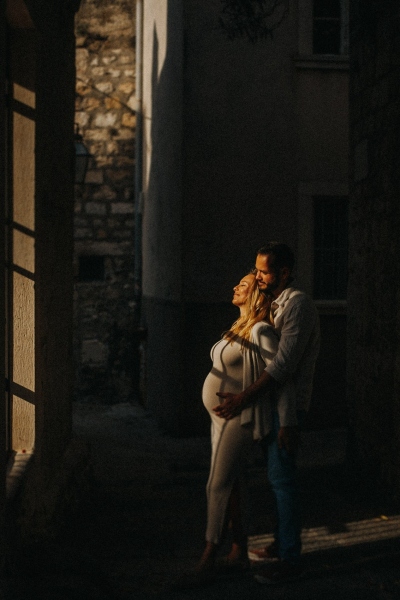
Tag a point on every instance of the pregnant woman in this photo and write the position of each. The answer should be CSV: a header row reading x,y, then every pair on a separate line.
x,y
238,360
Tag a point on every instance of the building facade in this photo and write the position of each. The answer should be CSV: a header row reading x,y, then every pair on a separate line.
x,y
242,143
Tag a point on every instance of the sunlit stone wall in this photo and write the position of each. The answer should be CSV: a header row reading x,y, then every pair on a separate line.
x,y
104,220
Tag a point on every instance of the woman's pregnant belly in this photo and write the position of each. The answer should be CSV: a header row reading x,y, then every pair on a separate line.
x,y
226,374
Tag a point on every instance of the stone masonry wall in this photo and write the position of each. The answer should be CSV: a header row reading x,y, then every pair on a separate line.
x,y
104,219
373,298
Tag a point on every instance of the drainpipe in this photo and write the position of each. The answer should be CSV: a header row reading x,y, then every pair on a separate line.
x,y
140,332
138,161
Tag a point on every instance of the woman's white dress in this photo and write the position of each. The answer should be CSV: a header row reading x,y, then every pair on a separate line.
x,y
235,368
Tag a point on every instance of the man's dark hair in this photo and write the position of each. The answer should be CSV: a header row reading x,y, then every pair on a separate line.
x,y
281,253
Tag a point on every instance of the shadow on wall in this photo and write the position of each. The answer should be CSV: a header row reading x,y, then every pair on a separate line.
x,y
180,332
163,306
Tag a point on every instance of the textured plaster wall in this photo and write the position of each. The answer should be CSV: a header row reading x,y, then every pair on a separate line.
x,y
254,127
239,151
239,175
323,125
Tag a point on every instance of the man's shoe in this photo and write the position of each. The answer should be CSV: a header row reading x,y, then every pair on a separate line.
x,y
268,552
278,572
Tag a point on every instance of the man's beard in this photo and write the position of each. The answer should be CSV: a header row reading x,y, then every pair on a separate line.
x,y
271,287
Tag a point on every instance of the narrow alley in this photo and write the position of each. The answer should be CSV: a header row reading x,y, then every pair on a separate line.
x,y
143,523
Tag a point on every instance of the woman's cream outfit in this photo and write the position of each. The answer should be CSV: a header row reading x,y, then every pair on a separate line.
x,y
233,370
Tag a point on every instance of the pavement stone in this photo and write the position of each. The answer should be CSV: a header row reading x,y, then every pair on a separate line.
x,y
143,524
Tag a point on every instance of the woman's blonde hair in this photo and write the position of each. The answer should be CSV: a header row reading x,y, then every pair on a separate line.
x,y
257,307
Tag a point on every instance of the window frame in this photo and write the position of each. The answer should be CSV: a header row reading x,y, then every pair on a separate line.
x,y
305,248
306,23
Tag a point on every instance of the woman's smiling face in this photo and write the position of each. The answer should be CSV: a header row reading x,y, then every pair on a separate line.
x,y
241,290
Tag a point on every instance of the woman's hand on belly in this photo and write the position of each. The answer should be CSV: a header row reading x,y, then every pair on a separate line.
x,y
231,406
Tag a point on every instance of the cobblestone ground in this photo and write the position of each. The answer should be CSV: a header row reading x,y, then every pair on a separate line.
x,y
143,524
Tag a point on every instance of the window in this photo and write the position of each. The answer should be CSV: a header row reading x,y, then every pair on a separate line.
x,y
323,29
330,247
91,268
20,235
327,27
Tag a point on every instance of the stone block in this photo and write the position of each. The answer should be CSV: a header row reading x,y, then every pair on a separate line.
x,y
128,120
103,120
125,133
112,223
79,222
125,161
94,176
96,135
81,58
95,208
112,22
95,46
126,59
82,88
123,235
105,160
118,175
112,103
122,208
126,87
108,59
106,87
81,233
97,149
98,71
114,73
90,103
105,192
132,103
82,119
100,248
94,352
112,148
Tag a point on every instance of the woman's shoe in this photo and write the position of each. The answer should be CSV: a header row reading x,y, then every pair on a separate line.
x,y
269,552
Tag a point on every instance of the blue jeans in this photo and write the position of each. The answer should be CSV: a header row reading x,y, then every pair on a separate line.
x,y
282,475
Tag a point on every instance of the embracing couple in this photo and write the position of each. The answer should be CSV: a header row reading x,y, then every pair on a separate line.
x,y
262,377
